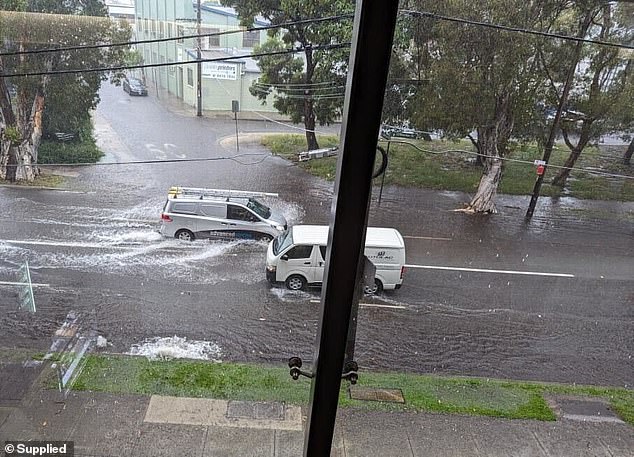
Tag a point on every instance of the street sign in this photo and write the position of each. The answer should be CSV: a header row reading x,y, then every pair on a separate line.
x,y
235,106
27,301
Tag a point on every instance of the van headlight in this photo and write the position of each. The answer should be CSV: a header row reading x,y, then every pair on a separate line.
x,y
280,228
271,268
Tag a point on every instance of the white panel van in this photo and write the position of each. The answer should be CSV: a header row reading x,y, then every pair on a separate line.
x,y
296,257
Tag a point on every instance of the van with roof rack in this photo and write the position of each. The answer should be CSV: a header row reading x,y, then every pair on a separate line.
x,y
194,213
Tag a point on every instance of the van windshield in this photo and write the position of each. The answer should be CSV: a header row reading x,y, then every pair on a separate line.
x,y
261,210
282,242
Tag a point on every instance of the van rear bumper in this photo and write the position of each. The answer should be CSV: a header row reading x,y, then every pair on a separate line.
x,y
397,286
270,276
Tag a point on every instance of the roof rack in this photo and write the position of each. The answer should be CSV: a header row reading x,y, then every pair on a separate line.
x,y
201,192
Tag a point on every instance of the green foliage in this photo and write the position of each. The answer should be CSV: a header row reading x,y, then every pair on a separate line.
x,y
67,99
83,150
314,94
12,134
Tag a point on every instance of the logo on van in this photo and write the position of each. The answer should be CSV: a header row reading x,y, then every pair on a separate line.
x,y
381,255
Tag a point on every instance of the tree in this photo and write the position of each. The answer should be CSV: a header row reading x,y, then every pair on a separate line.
x,y
596,104
481,80
30,26
309,90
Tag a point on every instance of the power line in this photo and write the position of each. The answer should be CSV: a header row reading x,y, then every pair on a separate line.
x,y
154,161
508,159
177,38
168,64
516,29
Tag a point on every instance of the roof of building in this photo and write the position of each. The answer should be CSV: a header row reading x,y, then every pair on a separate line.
x,y
227,11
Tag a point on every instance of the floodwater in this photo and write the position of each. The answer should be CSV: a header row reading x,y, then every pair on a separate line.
x,y
95,251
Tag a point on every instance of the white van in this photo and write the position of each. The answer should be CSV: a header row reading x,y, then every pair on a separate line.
x,y
296,257
191,213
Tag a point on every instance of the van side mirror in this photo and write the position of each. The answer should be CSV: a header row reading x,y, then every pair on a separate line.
x,y
284,257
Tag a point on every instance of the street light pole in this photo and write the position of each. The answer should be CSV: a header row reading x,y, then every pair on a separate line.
x,y
199,89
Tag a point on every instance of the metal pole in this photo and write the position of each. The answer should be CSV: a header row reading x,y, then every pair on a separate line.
x,y
383,176
368,68
548,148
199,89
235,115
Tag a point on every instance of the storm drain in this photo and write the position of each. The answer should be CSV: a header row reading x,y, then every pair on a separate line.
x,y
255,410
376,394
584,409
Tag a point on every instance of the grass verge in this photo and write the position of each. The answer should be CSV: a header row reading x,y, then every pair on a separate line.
x,y
233,381
415,163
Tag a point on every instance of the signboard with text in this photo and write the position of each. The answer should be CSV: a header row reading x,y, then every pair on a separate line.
x,y
220,70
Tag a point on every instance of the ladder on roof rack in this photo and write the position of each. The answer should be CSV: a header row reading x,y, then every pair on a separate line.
x,y
177,191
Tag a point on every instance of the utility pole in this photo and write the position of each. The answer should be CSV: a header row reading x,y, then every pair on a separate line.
x,y
199,89
548,148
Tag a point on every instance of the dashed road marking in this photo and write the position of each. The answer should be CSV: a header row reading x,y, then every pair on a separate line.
x,y
374,305
434,238
10,283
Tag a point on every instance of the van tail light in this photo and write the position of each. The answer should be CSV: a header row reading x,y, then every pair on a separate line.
x,y
165,218
402,271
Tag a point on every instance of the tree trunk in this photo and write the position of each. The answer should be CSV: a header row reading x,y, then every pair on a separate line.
x,y
484,199
309,111
575,151
562,176
309,124
22,157
492,140
627,157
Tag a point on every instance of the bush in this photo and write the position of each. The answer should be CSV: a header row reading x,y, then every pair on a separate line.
x,y
83,151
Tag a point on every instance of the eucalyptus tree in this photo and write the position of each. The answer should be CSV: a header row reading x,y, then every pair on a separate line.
x,y
482,80
28,27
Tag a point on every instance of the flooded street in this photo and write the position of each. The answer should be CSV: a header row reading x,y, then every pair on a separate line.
x,y
552,300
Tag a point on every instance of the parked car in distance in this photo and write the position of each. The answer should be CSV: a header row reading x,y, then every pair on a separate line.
x,y
134,86
191,213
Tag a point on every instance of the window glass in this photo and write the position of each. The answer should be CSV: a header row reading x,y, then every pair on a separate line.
x,y
213,210
300,252
185,208
241,214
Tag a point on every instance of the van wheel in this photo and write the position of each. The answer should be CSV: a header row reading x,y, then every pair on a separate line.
x,y
374,290
185,235
296,282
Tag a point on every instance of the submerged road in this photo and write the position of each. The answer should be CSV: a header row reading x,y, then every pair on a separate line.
x,y
492,296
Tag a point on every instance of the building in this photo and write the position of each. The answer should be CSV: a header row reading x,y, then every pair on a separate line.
x,y
222,81
121,9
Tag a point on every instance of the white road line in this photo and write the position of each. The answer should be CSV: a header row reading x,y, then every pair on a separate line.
x,y
483,270
8,283
73,244
436,238
372,305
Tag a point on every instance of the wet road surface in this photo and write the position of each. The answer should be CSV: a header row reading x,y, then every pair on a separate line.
x,y
96,251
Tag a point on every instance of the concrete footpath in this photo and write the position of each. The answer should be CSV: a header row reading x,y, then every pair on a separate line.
x,y
132,425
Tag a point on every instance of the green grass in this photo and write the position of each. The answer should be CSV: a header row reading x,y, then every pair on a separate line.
x,y
43,180
424,164
233,381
